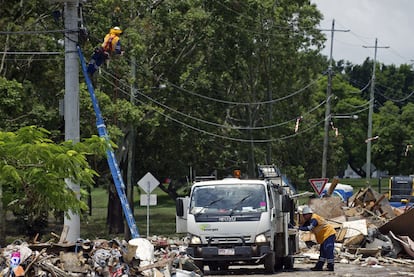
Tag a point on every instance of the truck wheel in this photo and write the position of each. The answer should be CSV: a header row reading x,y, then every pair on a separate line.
x,y
278,263
288,262
269,263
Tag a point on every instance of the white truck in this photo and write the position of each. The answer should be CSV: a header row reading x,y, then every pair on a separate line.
x,y
234,221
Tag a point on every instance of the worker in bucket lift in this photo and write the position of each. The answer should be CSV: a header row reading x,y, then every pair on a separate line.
x,y
110,46
325,236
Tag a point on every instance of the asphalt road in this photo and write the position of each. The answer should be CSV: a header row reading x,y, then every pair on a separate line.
x,y
303,269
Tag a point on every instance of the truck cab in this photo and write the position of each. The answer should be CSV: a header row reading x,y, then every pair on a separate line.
x,y
234,221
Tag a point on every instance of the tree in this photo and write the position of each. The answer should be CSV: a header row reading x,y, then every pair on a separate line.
x,y
389,150
33,170
232,51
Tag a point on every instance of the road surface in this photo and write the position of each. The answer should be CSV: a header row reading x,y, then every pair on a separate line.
x,y
303,269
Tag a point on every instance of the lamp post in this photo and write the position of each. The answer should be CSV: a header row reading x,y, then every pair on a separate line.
x,y
351,116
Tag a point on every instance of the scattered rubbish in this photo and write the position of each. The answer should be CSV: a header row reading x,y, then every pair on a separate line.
x,y
369,233
159,257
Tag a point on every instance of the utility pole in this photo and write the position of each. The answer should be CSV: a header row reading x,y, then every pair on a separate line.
x,y
371,110
328,103
71,113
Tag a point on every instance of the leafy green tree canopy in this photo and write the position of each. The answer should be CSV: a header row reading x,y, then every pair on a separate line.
x,y
33,170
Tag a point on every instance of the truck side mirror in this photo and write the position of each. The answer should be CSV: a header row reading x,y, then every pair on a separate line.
x,y
287,204
179,207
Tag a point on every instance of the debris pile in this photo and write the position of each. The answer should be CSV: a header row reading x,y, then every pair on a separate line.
x,y
137,257
369,230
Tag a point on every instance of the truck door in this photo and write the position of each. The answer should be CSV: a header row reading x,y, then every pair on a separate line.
x,y
181,214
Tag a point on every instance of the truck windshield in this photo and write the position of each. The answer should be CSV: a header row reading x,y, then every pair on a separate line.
x,y
232,199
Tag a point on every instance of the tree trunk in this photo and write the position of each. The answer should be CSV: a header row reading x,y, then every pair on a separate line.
x,y
115,219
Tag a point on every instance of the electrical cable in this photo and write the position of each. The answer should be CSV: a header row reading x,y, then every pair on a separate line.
x,y
355,81
213,123
354,113
29,53
222,136
37,32
398,54
34,59
392,90
394,100
244,103
234,102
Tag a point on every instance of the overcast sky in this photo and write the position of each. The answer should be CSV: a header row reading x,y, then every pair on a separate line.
x,y
390,21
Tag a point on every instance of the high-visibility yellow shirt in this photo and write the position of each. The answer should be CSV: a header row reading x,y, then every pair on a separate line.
x,y
110,43
323,230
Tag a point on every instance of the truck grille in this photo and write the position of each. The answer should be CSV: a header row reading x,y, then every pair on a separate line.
x,y
229,240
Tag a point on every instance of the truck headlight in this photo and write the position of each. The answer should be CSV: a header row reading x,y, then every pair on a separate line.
x,y
195,240
260,238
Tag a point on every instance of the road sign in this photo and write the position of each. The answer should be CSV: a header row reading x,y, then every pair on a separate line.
x,y
318,184
148,183
152,200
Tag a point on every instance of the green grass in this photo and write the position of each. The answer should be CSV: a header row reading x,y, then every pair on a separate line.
x,y
161,216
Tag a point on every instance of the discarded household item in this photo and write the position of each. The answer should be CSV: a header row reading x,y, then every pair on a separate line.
x,y
373,202
185,273
341,190
406,243
355,227
328,207
144,253
401,225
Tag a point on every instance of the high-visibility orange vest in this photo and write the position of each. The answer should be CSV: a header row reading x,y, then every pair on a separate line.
x,y
110,42
323,230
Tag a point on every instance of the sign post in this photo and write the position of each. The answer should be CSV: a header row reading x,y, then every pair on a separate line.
x,y
148,183
318,184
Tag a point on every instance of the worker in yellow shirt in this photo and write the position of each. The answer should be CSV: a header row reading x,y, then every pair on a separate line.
x,y
325,236
110,46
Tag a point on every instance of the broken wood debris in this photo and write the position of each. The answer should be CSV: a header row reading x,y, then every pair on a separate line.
x,y
159,257
367,227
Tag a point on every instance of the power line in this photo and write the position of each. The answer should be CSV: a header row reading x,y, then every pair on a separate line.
x,y
222,136
213,123
30,53
235,102
395,100
34,59
245,103
36,32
